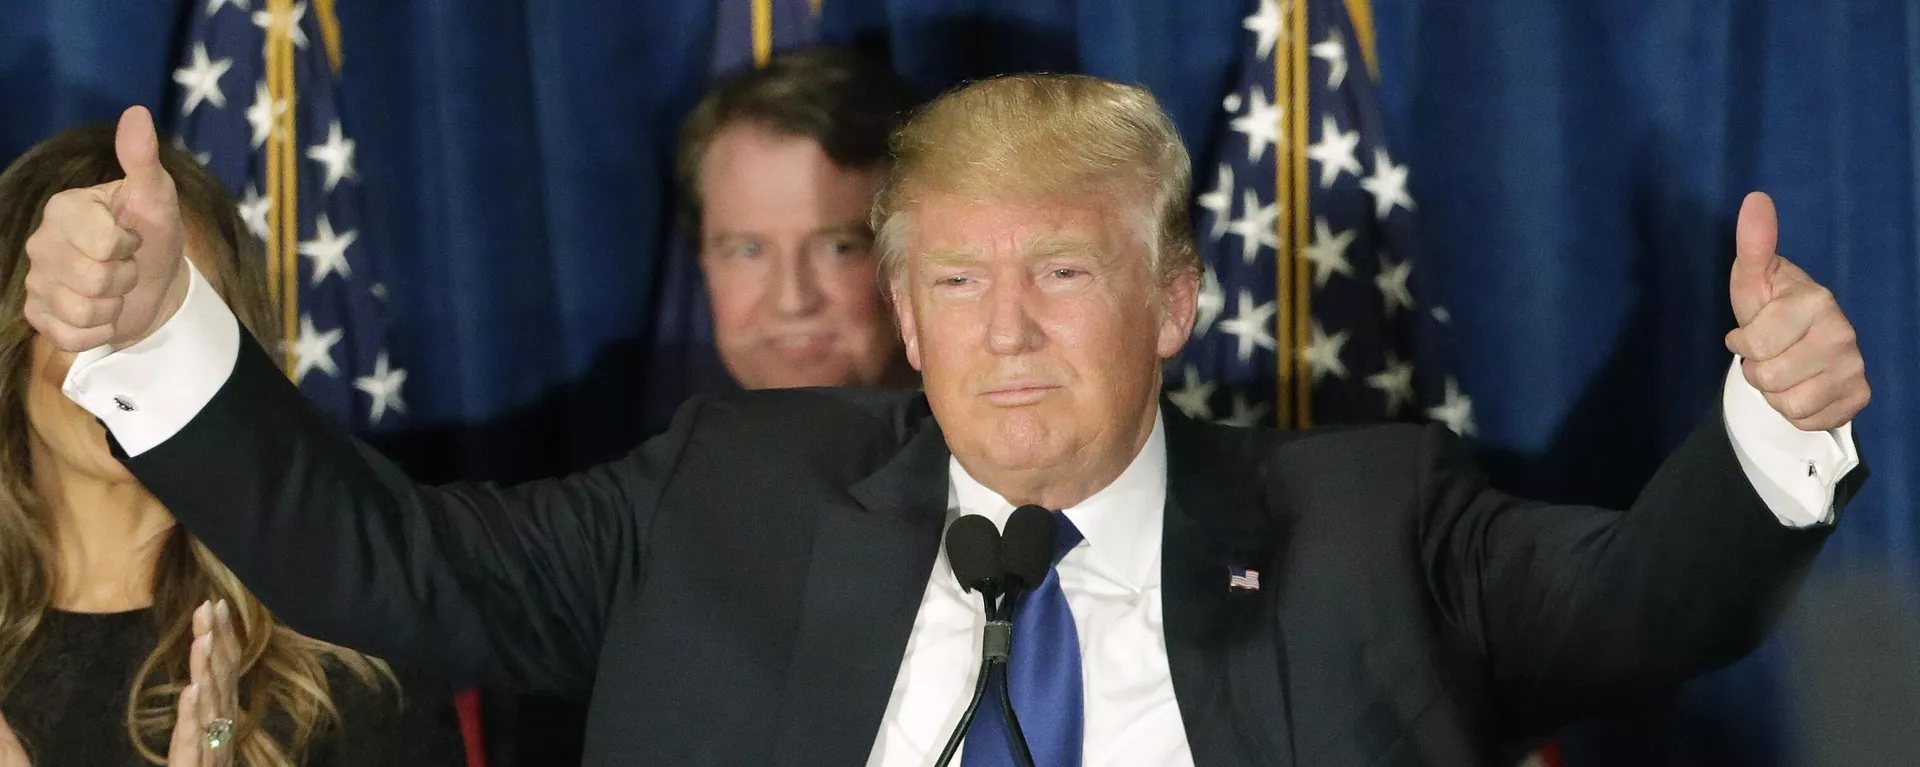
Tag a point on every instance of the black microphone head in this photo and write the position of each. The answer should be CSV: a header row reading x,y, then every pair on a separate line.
x,y
973,550
1026,548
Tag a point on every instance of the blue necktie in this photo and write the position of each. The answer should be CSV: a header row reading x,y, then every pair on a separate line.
x,y
1043,675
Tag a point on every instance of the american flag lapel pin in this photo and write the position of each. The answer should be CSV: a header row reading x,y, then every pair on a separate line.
x,y
1243,579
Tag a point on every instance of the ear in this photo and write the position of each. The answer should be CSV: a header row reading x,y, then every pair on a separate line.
x,y
1179,301
903,317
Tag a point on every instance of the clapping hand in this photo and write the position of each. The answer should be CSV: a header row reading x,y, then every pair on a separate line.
x,y
203,730
204,727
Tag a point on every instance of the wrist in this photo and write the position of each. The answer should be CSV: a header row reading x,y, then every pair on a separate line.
x,y
170,303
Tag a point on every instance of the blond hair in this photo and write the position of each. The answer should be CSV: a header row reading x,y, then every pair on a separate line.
x,y
283,674
1044,137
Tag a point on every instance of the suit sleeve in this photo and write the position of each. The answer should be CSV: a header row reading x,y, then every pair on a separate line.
x,y
506,585
411,724
1577,607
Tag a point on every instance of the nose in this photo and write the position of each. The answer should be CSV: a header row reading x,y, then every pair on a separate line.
x,y
1011,328
797,285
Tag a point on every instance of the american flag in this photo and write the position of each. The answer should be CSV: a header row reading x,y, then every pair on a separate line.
x,y
1243,578
259,105
1343,329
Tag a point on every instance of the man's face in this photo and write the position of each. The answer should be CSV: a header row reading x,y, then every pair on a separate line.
x,y
789,263
1037,330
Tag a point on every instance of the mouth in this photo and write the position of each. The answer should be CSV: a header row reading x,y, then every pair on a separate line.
x,y
1015,395
801,343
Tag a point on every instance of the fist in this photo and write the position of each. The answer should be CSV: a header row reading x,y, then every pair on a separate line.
x,y
1797,347
106,265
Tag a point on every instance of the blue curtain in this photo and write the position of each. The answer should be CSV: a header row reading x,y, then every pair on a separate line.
x,y
517,157
1579,166
64,62
1577,170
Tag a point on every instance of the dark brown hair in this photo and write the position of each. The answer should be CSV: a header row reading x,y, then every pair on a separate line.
x,y
840,99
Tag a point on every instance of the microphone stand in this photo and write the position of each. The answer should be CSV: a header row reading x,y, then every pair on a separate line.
x,y
994,647
974,549
1004,619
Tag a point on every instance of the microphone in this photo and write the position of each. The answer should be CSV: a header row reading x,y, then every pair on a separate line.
x,y
973,550
1026,551
1026,556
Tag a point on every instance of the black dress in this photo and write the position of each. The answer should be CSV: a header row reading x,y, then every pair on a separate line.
x,y
69,704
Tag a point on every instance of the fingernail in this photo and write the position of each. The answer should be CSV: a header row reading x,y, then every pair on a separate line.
x,y
204,610
225,614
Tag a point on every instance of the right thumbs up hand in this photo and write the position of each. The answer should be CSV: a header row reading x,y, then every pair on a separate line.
x,y
106,265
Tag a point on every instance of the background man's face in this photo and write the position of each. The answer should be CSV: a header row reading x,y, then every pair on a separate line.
x,y
789,263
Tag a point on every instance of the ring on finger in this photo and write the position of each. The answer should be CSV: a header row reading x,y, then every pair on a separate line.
x,y
219,733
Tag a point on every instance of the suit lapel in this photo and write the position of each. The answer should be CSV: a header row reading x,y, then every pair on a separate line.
x,y
869,570
1223,645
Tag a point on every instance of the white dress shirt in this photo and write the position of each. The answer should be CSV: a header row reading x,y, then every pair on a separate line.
x,y
1112,584
149,391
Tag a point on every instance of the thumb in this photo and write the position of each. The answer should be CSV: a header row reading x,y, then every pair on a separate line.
x,y
1755,238
137,146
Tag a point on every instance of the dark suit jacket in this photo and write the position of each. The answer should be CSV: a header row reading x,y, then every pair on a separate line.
x,y
739,590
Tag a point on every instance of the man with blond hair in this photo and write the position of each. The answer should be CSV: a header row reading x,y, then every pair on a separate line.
x,y
765,584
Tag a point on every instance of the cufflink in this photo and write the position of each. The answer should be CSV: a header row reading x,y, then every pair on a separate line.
x,y
125,405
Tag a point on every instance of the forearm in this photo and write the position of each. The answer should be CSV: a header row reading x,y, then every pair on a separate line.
x,y
1575,607
1693,576
334,539
478,582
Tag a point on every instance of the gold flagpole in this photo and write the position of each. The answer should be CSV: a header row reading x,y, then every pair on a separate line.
x,y
329,31
1284,379
285,180
1361,11
1296,116
762,32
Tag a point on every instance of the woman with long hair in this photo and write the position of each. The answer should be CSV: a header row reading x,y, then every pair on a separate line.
x,y
102,595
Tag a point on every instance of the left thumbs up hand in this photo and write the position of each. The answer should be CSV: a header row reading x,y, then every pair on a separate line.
x,y
1797,346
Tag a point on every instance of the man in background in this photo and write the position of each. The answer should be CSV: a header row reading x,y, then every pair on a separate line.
x,y
777,168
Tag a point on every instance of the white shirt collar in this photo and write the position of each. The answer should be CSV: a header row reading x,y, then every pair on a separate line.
x,y
1121,522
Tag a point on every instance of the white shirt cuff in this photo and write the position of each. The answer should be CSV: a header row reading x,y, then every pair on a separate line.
x,y
1794,471
148,392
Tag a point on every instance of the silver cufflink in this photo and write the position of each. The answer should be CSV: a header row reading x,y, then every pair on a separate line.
x,y
125,405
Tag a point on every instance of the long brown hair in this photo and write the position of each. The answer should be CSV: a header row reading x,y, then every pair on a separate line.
x,y
283,674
